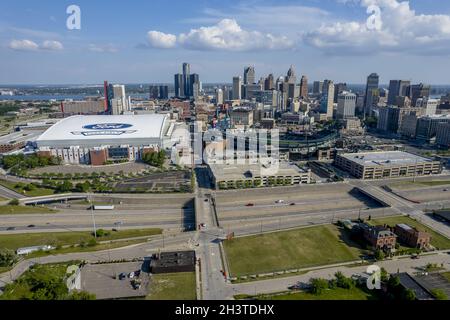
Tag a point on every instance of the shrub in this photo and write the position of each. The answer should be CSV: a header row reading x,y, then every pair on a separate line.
x,y
14,202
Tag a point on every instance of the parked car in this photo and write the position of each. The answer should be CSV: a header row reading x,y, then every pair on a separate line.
x,y
122,276
131,275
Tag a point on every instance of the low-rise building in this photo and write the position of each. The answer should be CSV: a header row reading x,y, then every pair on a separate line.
x,y
383,165
235,176
411,236
379,237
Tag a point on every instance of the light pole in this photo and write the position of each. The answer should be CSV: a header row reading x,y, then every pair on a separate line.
x,y
93,216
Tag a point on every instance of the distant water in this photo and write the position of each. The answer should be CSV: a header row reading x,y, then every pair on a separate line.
x,y
57,97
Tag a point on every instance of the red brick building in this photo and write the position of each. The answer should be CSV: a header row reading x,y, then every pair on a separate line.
x,y
411,236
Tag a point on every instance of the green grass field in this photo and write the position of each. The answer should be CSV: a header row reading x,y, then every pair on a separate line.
x,y
37,192
173,286
15,241
306,247
437,240
330,294
24,210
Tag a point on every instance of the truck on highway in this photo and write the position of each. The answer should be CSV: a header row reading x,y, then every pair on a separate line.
x,y
95,207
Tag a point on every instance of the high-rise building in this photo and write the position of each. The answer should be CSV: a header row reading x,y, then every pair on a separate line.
x,y
317,87
427,126
397,88
291,77
419,91
346,105
219,96
163,92
327,103
269,83
371,93
429,105
249,75
237,88
338,89
179,85
186,79
154,92
194,79
304,87
443,134
117,91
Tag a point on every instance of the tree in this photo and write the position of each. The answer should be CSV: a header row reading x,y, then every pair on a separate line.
x,y
65,186
318,285
7,257
379,255
81,295
409,295
342,281
14,202
439,294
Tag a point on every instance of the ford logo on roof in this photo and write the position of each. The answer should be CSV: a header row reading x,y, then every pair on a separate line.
x,y
107,126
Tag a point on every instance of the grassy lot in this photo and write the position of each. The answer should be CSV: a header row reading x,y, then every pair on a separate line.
x,y
306,247
24,210
37,192
331,294
173,286
437,240
446,275
15,241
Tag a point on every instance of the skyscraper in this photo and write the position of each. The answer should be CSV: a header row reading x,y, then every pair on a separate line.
x,y
397,88
237,88
419,91
327,103
291,77
219,96
163,92
304,87
249,75
179,85
186,79
194,80
372,93
117,92
346,105
338,89
317,87
154,92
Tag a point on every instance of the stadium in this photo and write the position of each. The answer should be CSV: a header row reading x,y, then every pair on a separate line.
x,y
98,139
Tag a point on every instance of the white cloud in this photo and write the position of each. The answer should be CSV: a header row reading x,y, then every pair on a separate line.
x,y
28,45
23,45
108,48
402,30
161,40
52,45
225,35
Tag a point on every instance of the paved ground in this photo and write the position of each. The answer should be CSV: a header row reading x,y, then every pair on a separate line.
x,y
116,168
99,279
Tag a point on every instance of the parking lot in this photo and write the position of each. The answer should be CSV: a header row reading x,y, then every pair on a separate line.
x,y
166,181
99,279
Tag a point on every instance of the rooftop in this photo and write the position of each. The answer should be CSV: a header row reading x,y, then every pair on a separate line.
x,y
248,171
385,158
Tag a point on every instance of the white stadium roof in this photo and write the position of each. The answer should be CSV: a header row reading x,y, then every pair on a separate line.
x,y
91,131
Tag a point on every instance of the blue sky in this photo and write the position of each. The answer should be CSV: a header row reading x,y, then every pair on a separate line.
x,y
146,41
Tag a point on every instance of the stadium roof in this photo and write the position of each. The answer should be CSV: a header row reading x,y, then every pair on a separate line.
x,y
103,129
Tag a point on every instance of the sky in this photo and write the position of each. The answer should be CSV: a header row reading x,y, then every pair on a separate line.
x,y
137,41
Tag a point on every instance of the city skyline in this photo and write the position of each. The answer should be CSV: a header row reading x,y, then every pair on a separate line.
x,y
326,40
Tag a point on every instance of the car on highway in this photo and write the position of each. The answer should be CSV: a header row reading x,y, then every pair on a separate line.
x,y
279,201
250,205
445,190
297,286
10,228
206,200
292,204
31,226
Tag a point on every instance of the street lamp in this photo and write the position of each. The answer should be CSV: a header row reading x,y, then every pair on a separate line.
x,y
93,216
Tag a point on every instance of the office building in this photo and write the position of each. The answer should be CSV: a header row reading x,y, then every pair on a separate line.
x,y
153,92
317,87
419,91
327,103
241,117
338,89
346,105
179,86
304,87
219,96
269,83
443,135
386,164
237,88
291,77
372,92
397,88
427,126
249,75
163,92
187,80
429,105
